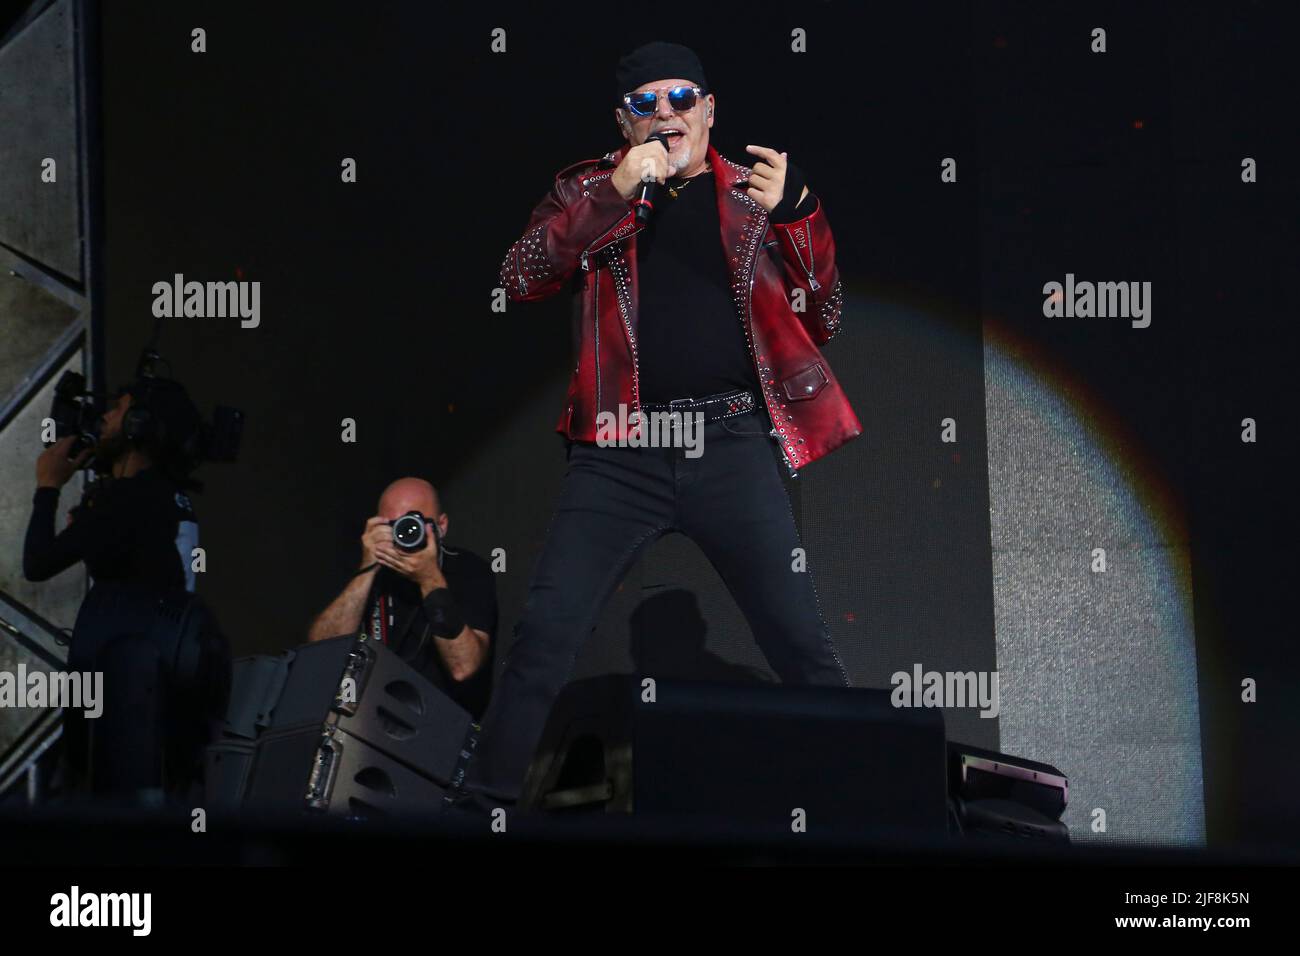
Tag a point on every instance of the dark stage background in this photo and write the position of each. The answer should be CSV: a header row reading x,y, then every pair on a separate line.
x,y
376,301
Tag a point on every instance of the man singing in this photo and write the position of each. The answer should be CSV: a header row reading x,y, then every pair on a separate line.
x,y
714,308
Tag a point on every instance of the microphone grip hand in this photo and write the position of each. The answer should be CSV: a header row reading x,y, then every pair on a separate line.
x,y
642,166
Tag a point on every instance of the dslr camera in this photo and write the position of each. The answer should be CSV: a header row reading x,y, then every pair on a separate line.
x,y
410,534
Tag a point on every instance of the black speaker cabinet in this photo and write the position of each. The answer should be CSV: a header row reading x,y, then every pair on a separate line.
x,y
326,769
256,684
751,753
343,713
376,697
226,769
976,774
314,681
993,817
1000,795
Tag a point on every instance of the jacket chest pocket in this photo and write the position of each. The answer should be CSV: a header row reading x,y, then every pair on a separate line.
x,y
806,384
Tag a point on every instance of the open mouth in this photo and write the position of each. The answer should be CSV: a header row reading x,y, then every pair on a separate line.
x,y
673,134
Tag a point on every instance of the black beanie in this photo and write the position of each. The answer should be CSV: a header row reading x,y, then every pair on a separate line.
x,y
658,61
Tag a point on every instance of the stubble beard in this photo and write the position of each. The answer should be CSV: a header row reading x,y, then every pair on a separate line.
x,y
681,163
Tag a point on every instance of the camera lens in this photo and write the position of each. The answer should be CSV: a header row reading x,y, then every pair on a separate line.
x,y
408,532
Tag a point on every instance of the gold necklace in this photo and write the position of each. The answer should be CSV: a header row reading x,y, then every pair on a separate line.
x,y
672,190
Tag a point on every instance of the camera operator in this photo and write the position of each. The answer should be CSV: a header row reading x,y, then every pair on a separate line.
x,y
435,606
127,526
129,530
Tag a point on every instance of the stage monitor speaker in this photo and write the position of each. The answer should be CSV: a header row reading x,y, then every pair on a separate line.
x,y
376,697
347,690
749,753
978,774
313,683
994,817
256,685
326,769
226,769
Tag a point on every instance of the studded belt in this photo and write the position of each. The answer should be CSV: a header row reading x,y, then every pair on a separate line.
x,y
714,407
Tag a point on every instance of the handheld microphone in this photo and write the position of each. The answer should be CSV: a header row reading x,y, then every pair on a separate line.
x,y
644,203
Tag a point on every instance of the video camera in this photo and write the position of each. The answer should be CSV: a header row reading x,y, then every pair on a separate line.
x,y
77,411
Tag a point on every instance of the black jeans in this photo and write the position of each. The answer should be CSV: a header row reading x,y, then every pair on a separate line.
x,y
615,501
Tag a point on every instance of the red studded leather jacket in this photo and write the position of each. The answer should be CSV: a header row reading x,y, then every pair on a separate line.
x,y
582,235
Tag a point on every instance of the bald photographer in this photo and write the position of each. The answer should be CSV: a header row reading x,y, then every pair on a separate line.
x,y
434,605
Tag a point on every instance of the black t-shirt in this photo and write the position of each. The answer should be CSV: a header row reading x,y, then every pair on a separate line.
x,y
404,625
125,530
691,342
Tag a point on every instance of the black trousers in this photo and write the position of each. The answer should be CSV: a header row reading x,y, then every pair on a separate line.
x,y
615,502
165,688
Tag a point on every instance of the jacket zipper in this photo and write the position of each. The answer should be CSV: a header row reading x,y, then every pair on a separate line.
x,y
519,272
749,333
812,279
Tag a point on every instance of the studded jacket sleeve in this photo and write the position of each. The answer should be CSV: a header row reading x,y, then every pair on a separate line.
x,y
562,227
808,253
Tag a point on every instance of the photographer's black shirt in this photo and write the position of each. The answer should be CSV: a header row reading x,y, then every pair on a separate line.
x,y
405,623
124,529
